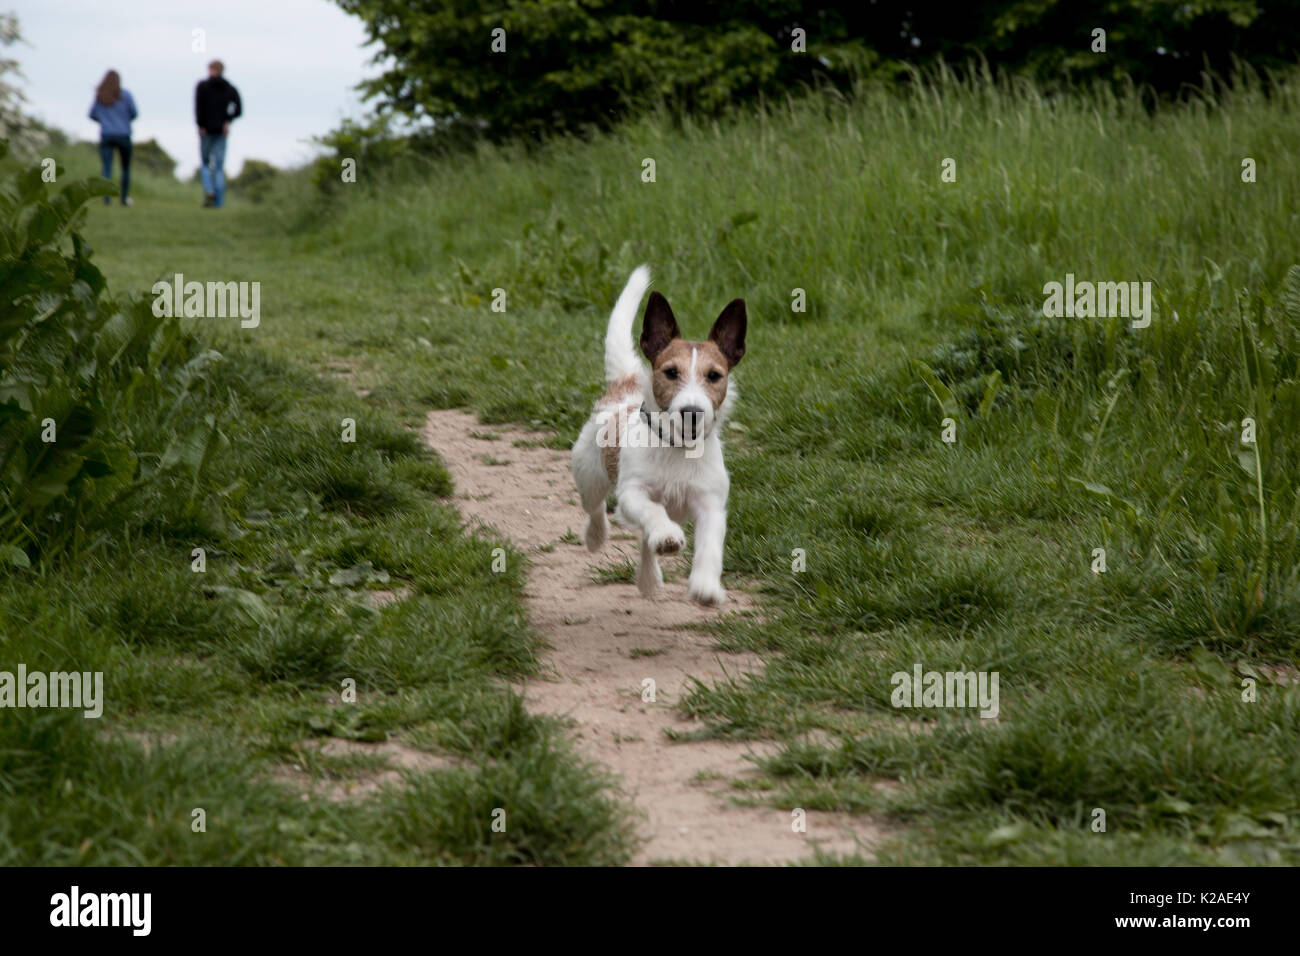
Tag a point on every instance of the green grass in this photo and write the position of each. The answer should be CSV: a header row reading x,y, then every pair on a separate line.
x,y
224,674
1121,691
236,671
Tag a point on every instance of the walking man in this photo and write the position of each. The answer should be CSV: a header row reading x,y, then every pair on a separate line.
x,y
216,103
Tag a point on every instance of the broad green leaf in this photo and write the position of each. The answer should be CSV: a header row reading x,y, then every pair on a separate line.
x,y
1103,492
1045,410
1173,805
992,384
246,606
1246,461
1007,834
941,392
351,577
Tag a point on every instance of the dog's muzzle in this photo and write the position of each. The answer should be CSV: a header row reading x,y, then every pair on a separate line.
x,y
655,422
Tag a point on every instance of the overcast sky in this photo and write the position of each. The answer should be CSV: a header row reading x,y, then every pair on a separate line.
x,y
294,62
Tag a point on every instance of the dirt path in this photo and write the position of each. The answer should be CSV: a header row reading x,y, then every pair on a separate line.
x,y
606,640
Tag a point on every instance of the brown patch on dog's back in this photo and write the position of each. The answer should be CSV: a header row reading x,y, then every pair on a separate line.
x,y
609,454
620,389
626,392
619,392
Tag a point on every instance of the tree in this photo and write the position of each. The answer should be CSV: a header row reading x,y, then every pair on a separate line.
x,y
511,68
150,155
561,65
25,135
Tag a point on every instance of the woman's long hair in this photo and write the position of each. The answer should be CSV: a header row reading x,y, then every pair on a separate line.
x,y
110,88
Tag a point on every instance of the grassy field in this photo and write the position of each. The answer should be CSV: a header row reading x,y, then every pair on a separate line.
x,y
1161,691
222,685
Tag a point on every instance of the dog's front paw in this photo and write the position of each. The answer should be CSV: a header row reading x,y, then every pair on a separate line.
x,y
708,593
668,540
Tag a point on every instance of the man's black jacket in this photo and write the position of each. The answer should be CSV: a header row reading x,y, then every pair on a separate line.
x,y
216,103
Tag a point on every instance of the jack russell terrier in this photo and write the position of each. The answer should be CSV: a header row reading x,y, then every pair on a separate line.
x,y
654,437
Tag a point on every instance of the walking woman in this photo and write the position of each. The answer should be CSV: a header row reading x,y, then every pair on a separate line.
x,y
113,110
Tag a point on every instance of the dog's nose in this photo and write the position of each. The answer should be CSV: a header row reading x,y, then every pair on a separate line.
x,y
692,420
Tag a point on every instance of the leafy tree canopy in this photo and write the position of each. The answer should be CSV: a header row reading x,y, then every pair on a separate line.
x,y
564,65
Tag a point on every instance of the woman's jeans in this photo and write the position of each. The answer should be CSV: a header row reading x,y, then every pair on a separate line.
x,y
123,145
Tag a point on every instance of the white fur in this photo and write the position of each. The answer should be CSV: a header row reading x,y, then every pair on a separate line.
x,y
659,486
621,358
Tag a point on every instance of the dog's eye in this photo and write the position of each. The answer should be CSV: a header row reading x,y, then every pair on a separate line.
x,y
670,372
714,375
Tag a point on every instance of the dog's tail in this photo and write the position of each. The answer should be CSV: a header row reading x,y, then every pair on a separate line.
x,y
621,359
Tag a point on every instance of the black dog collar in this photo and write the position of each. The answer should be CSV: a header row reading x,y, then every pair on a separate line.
x,y
645,416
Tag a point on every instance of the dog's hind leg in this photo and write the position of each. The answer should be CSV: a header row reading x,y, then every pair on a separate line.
x,y
649,577
597,525
593,487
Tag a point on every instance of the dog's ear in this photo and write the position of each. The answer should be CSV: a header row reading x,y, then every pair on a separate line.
x,y
728,333
659,327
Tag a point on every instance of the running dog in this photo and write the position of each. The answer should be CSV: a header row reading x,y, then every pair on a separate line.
x,y
654,437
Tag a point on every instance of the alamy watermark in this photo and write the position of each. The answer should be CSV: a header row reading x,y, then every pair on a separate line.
x,y
646,429
923,688
212,300
78,689
1086,300
76,909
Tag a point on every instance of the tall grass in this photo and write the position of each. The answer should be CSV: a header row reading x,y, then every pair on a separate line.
x,y
1122,690
226,605
1073,434
843,198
